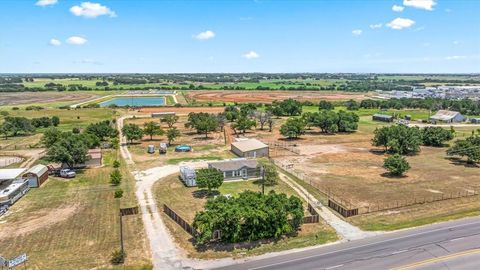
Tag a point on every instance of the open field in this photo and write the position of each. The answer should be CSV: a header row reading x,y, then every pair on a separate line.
x,y
269,96
73,224
211,148
185,201
48,98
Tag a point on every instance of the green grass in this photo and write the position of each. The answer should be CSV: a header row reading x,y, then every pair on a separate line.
x,y
386,224
174,161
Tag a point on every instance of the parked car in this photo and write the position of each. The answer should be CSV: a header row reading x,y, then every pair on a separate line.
x,y
67,173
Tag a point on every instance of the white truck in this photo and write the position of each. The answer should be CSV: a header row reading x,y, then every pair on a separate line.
x,y
67,173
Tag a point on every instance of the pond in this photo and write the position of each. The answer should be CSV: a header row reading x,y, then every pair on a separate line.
x,y
134,101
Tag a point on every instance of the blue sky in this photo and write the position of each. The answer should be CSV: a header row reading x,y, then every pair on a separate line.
x,y
415,36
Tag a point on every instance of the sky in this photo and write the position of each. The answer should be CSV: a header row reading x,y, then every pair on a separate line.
x,y
147,36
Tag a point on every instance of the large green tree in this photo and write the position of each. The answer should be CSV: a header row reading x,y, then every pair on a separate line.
x,y
204,123
132,132
69,149
293,128
172,134
398,139
243,123
209,178
151,128
469,148
249,217
436,136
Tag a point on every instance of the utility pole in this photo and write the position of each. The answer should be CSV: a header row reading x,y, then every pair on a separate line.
x,y
121,235
263,179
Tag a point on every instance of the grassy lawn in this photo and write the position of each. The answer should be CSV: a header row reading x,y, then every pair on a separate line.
x,y
74,223
186,201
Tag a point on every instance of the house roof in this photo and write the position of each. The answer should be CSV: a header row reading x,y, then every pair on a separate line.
x,y
38,169
444,115
234,164
9,174
249,145
382,115
95,153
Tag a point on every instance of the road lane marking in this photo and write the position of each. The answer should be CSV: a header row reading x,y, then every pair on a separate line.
x,y
438,259
333,267
399,251
366,245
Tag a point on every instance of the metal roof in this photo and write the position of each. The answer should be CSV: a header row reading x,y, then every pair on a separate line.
x,y
38,169
234,164
444,115
9,174
249,145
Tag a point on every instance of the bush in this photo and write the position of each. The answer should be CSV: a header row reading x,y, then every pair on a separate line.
x,y
396,165
118,194
116,164
117,257
115,177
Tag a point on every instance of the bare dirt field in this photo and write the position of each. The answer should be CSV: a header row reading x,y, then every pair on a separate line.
x,y
42,97
182,110
269,96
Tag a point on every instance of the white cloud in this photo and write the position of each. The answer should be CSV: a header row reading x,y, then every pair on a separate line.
x,y
400,23
44,3
251,55
76,40
456,42
205,35
455,57
376,26
421,4
91,10
55,42
398,8
357,32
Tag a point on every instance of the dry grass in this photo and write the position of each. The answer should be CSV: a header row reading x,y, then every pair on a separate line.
x,y
184,201
73,224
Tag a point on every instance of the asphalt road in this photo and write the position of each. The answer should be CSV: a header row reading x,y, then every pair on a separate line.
x,y
438,246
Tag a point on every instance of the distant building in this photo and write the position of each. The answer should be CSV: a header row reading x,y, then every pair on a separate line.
x,y
240,168
252,148
445,116
36,175
475,120
162,114
382,117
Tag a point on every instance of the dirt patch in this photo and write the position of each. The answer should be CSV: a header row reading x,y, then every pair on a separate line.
x,y
41,220
183,110
270,96
42,97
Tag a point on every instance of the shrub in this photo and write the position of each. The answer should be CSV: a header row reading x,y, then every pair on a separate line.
x,y
396,165
117,257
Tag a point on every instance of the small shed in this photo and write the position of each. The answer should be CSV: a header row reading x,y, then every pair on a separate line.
x,y
36,175
188,176
162,114
446,116
252,148
94,158
382,117
240,168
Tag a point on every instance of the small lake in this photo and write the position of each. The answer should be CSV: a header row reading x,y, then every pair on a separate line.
x,y
134,101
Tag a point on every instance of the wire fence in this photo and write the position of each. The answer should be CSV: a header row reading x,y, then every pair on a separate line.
x,y
347,208
278,148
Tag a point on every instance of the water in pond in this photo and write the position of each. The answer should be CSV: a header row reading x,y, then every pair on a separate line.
x,y
134,101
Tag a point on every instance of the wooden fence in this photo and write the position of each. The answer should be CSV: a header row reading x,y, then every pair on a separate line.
x,y
314,216
179,220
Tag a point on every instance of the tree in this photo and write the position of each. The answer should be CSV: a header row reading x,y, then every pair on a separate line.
x,y
347,121
288,107
203,122
132,132
16,125
270,174
327,121
172,134
249,217
352,105
115,177
436,136
102,130
293,128
171,120
396,165
209,178
398,139
69,149
243,123
151,128
55,121
263,117
325,105
270,124
470,148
